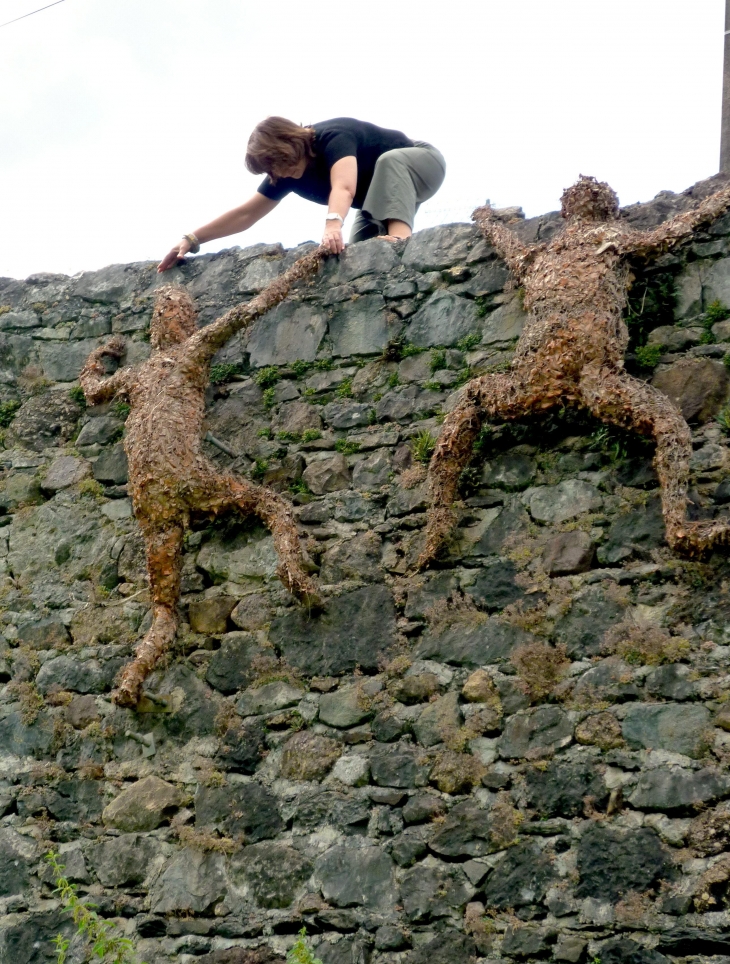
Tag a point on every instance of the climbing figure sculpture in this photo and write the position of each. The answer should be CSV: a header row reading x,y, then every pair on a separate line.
x,y
571,353
169,477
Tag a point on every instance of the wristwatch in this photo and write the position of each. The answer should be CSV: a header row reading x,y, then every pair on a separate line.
x,y
335,217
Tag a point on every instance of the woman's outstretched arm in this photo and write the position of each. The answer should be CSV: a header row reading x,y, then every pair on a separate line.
x,y
232,222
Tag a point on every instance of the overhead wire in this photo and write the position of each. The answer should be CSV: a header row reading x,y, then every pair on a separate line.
x,y
15,19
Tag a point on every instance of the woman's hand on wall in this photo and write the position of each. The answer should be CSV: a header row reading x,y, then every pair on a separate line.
x,y
174,255
333,237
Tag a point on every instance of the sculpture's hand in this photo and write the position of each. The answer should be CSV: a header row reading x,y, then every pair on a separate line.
x,y
115,347
485,213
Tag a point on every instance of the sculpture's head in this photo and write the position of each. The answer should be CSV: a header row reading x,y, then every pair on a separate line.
x,y
589,200
173,320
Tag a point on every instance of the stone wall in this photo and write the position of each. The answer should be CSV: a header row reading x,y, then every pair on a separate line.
x,y
520,755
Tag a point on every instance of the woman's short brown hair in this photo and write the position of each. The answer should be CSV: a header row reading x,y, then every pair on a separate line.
x,y
278,142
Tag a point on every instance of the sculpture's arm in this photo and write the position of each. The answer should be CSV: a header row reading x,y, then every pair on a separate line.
x,y
97,386
505,242
206,342
676,229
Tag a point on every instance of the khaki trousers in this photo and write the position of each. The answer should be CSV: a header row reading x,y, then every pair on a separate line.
x,y
402,180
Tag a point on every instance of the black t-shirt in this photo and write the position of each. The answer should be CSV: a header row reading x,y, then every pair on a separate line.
x,y
335,139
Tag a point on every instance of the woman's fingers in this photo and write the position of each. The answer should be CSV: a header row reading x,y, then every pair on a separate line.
x,y
173,256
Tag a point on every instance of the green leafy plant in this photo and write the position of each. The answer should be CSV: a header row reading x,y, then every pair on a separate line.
x,y
606,440
716,311
300,368
92,488
324,365
422,446
470,342
651,303
288,437
121,409
345,389
107,944
269,398
726,360
76,394
223,373
260,469
397,350
300,952
265,433
482,440
311,435
7,412
647,356
438,359
346,447
482,306
267,377
723,419
300,487
409,350
393,380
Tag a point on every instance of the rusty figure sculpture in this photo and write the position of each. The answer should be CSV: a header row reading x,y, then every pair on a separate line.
x,y
571,352
169,476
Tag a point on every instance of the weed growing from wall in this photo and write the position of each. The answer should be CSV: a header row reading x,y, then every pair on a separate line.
x,y
300,952
106,943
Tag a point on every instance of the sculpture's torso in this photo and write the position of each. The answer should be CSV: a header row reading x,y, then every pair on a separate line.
x,y
163,430
575,293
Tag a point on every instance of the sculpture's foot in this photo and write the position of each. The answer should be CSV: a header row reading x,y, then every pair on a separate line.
x,y
154,645
300,585
697,538
129,690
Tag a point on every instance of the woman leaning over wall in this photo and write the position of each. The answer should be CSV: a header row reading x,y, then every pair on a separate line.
x,y
343,163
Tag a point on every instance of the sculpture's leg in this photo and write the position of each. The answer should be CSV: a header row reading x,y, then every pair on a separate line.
x,y
632,404
220,493
164,563
498,396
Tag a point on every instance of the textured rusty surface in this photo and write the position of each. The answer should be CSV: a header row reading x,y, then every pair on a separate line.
x,y
571,352
169,477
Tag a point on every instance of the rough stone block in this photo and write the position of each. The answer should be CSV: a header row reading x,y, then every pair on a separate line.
x,y
360,327
111,466
351,876
366,257
143,806
667,726
697,386
443,320
327,475
100,430
440,247
231,667
210,615
290,332
568,553
559,503
354,629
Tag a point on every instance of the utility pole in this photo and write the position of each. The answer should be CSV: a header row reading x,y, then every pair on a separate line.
x,y
725,135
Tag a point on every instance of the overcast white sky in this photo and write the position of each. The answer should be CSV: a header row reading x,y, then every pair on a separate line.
x,y
123,123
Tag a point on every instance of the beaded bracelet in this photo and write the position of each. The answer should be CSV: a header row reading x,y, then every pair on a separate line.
x,y
194,243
